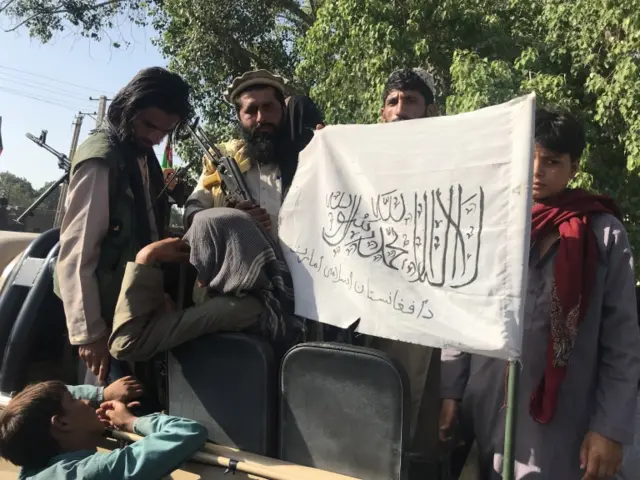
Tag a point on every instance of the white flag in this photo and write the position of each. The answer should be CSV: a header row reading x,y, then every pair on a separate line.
x,y
420,228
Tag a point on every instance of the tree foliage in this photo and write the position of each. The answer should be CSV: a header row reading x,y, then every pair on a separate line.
x,y
51,202
210,43
88,18
355,44
20,193
582,55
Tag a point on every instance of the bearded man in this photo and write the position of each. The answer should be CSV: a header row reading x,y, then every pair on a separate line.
x,y
272,133
243,283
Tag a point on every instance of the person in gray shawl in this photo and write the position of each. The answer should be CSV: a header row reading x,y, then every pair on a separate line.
x,y
245,286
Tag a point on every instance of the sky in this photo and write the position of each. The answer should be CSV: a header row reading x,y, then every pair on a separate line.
x,y
43,87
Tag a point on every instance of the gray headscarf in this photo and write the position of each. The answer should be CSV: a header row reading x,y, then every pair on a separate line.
x,y
233,255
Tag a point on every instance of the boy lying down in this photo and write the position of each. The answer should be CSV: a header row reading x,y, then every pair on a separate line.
x,y
52,431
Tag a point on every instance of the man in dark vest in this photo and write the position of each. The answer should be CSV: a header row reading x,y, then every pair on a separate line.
x,y
115,206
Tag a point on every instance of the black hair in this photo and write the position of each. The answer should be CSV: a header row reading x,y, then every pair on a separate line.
x,y
560,132
236,99
407,79
151,87
25,425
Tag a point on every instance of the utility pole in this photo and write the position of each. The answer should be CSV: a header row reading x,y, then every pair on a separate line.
x,y
102,109
77,126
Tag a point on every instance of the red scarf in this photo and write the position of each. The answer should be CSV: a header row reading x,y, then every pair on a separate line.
x,y
575,267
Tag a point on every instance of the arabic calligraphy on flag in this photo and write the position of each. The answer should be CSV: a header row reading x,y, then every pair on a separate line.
x,y
419,229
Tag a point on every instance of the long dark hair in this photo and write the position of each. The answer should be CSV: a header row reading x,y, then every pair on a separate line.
x,y
151,87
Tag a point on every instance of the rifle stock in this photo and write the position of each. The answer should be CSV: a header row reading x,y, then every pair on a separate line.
x,y
233,181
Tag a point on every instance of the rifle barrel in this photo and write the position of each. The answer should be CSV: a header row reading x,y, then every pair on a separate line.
x,y
41,199
64,161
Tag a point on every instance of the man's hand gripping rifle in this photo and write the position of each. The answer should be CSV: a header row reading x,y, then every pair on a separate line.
x,y
233,181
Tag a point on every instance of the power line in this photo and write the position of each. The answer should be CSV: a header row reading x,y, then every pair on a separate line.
x,y
91,89
34,81
53,101
60,92
40,99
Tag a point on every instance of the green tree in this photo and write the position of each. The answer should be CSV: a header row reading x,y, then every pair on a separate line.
x,y
209,43
88,18
581,55
355,44
18,191
51,202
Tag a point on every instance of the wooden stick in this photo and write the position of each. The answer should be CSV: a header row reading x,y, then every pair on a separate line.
x,y
227,457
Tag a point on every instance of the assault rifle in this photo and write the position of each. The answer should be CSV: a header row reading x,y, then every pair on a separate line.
x,y
63,163
233,181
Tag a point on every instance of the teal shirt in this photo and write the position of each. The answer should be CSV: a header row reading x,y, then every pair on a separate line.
x,y
87,392
168,442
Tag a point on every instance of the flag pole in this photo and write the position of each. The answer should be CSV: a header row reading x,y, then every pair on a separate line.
x,y
508,466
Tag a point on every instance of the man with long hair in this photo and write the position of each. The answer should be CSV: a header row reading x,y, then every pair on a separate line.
x,y
115,206
243,283
580,361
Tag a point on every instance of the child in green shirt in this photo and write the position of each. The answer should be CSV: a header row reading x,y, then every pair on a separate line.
x,y
52,431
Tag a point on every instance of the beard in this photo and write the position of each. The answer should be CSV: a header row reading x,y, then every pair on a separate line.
x,y
138,147
125,134
262,147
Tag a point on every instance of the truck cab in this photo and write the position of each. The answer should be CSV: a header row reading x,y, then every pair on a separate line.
x,y
338,408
